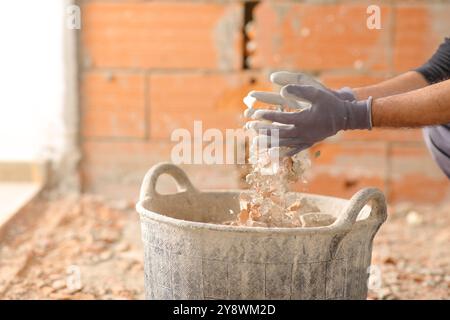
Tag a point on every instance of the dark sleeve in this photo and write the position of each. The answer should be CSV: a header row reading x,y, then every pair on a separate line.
x,y
438,67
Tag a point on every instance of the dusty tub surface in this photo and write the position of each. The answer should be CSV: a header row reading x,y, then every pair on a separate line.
x,y
189,255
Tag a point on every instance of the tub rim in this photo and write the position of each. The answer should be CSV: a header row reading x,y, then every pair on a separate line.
x,y
344,222
148,214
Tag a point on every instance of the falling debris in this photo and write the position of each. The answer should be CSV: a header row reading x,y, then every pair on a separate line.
x,y
249,102
269,203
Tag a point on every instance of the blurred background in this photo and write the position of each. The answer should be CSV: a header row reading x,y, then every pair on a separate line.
x,y
89,108
148,67
99,103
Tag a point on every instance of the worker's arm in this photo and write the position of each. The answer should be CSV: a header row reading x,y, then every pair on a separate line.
x,y
405,82
407,100
422,107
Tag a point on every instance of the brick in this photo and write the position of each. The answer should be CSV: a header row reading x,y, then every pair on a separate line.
x,y
116,168
108,167
169,35
377,134
178,99
344,168
414,176
419,29
368,158
113,105
403,171
340,185
319,37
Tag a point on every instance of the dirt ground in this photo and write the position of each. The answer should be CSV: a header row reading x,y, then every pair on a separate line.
x,y
89,248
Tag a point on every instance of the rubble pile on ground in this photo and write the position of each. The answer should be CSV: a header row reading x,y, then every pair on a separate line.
x,y
412,253
72,248
88,248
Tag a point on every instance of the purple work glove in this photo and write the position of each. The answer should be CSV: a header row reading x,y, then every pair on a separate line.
x,y
327,115
284,78
345,93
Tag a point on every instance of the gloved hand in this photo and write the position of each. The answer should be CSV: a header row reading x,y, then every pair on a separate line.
x,y
327,115
284,78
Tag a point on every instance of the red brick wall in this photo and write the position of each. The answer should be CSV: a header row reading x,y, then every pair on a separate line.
x,y
148,67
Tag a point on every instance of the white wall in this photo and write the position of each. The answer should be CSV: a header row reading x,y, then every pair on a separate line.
x,y
31,79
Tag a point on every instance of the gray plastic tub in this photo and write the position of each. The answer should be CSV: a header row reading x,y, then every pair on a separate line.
x,y
189,255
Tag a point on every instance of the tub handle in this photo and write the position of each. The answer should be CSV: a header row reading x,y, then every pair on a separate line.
x,y
148,188
350,213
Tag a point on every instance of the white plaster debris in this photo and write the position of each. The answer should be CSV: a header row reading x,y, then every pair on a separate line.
x,y
281,103
249,101
265,204
269,203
